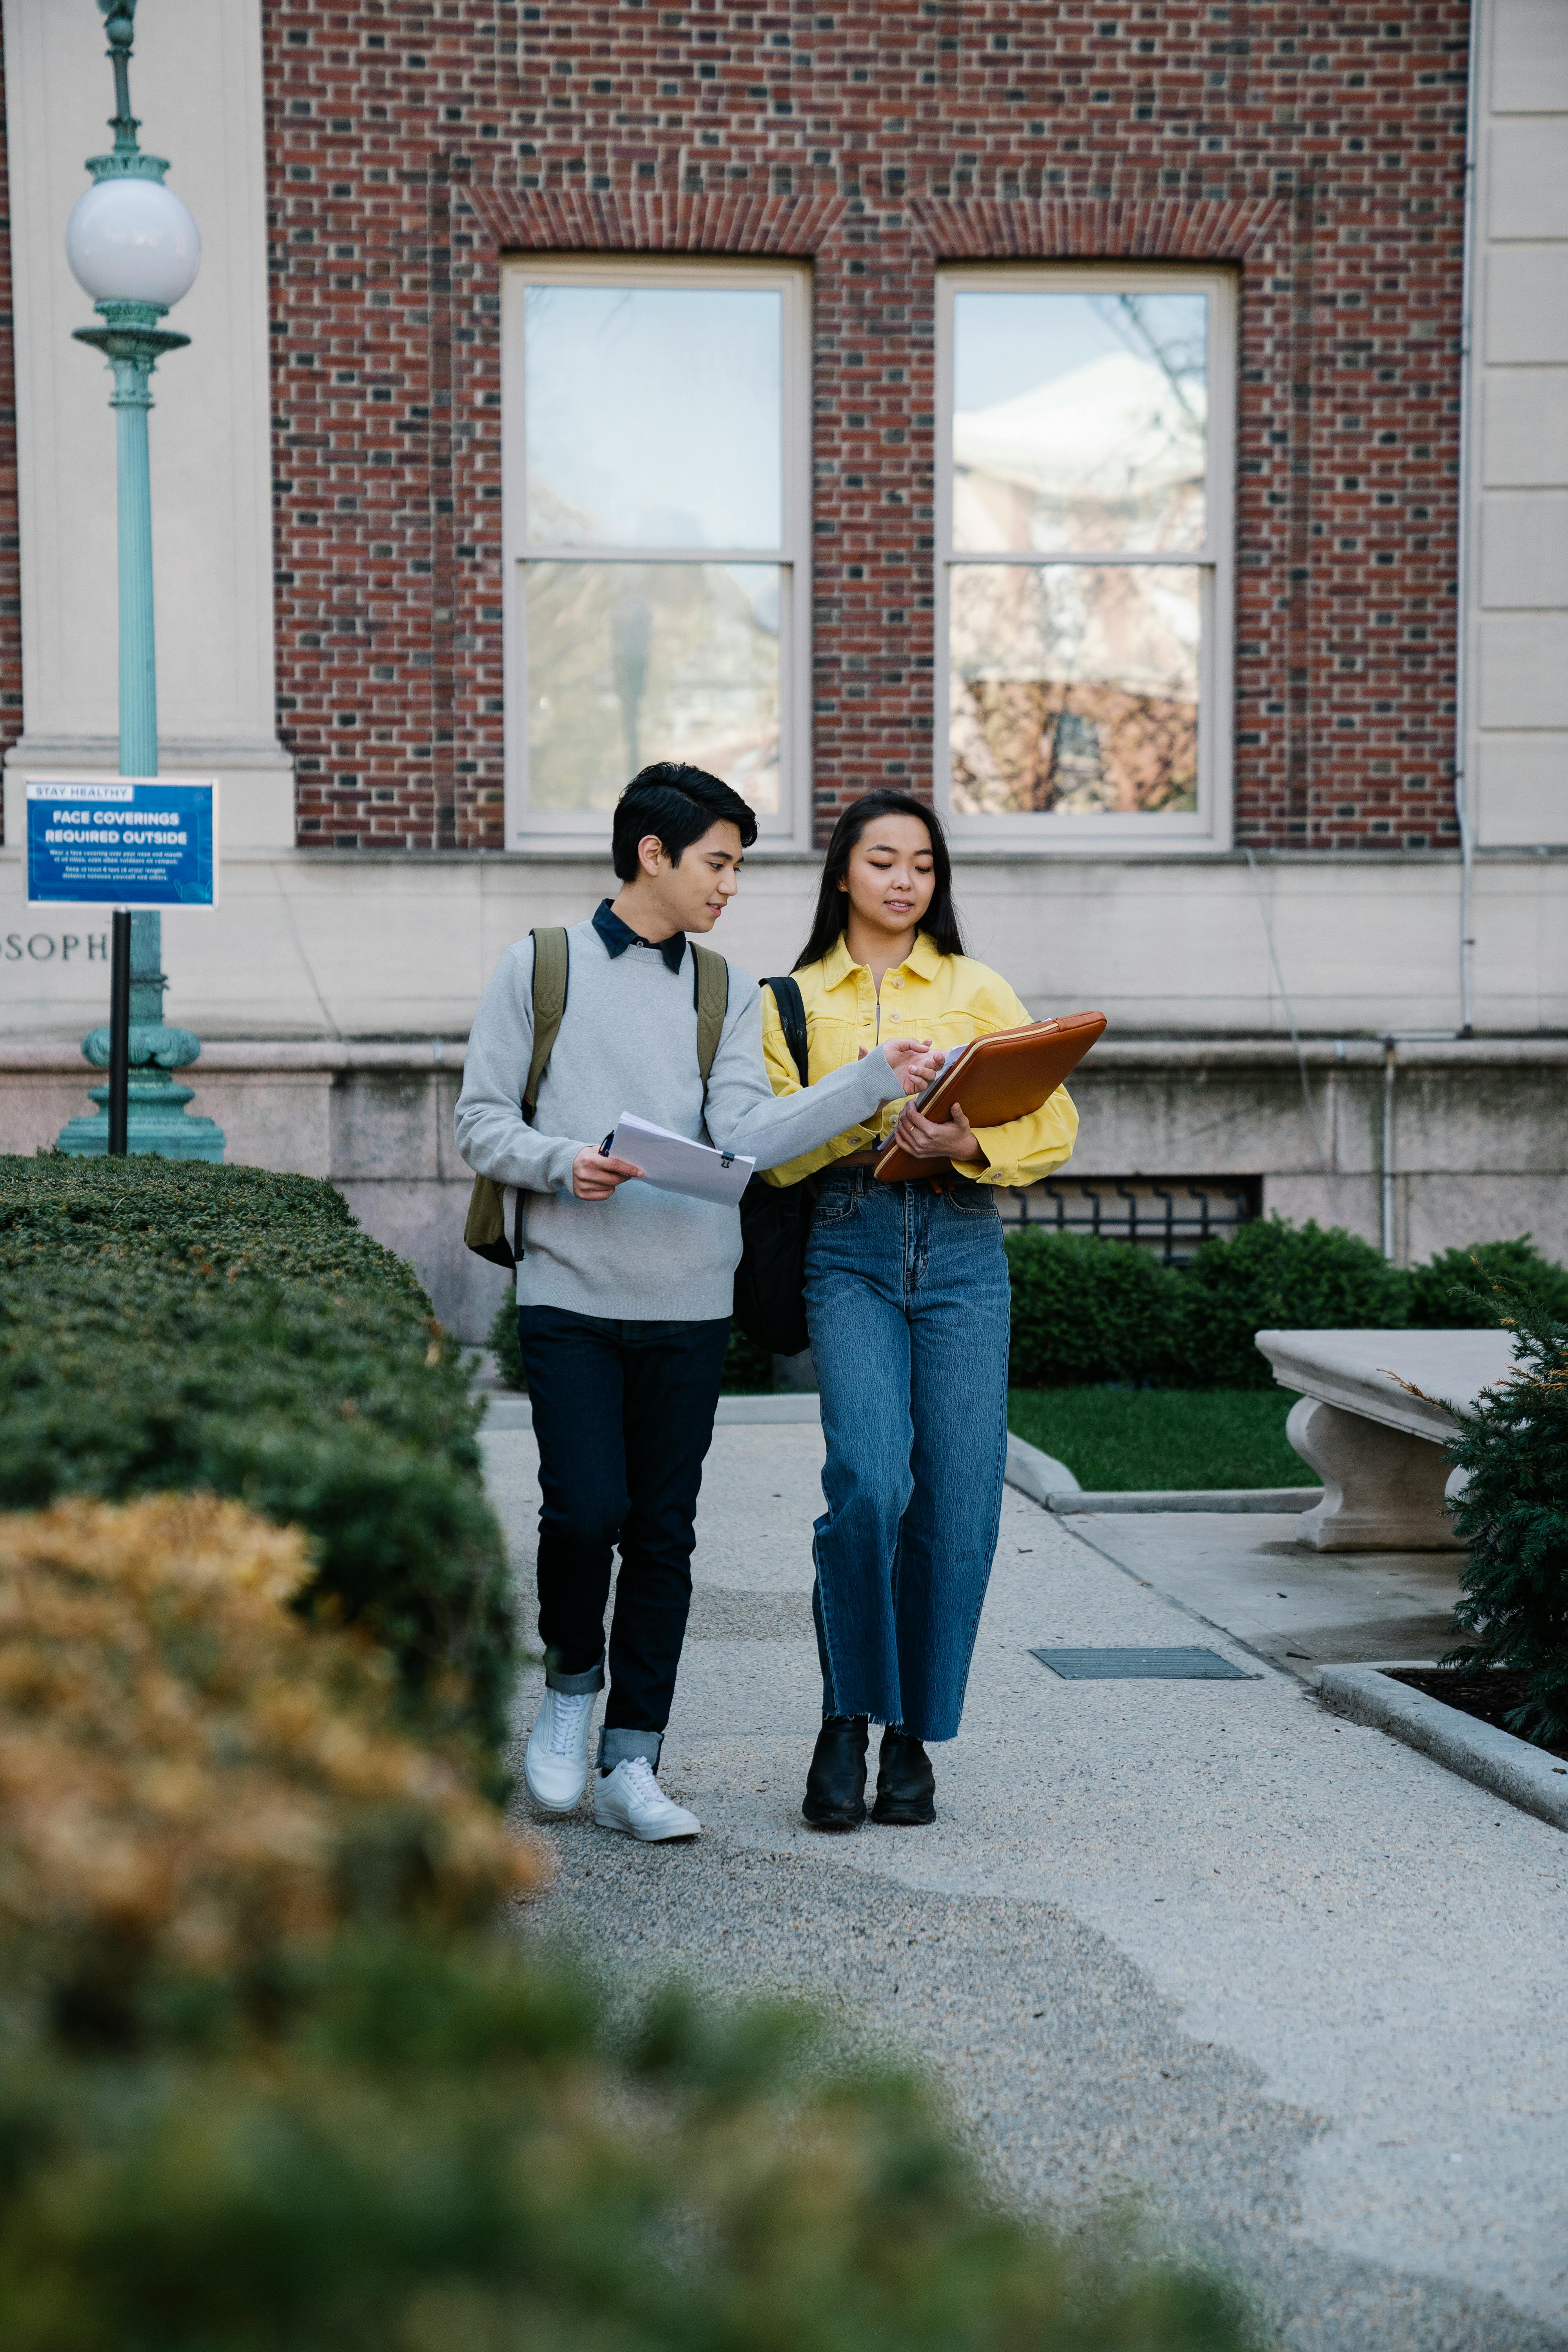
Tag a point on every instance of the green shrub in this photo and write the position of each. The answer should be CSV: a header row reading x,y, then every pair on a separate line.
x,y
747,1368
502,1344
1087,1310
1513,1601
1272,1275
1454,1291
438,2151
166,1327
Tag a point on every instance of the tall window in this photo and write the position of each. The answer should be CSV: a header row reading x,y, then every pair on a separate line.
x,y
657,438
1084,522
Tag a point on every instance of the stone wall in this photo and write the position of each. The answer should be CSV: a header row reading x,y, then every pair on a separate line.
x,y
1476,1134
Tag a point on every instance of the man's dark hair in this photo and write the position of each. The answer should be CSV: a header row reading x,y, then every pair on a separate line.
x,y
678,803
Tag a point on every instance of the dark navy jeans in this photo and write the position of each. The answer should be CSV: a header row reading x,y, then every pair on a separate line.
x,y
908,1303
623,1416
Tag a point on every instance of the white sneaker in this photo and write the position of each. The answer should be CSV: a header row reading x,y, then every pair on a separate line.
x,y
555,1762
630,1799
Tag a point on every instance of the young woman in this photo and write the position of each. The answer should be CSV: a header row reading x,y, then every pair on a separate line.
x,y
908,1307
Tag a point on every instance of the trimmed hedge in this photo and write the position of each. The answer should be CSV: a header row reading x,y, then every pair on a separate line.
x,y
167,1326
1272,1275
1088,1311
1456,1290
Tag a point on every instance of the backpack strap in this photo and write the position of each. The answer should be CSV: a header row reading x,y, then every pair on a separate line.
x,y
791,1006
711,995
551,971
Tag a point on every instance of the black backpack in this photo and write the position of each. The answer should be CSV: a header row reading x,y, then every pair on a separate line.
x,y
775,1222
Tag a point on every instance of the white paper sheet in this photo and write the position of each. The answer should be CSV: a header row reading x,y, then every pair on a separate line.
x,y
674,1164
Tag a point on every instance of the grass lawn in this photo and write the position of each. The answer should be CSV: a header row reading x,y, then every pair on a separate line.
x,y
1111,1439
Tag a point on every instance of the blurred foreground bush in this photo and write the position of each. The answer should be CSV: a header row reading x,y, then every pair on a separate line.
x,y
195,1785
175,1327
265,2087
444,2152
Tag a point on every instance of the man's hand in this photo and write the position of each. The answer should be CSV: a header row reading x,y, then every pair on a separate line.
x,y
595,1175
950,1139
912,1060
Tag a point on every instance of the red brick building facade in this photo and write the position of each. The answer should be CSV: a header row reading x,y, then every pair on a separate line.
x,y
1317,151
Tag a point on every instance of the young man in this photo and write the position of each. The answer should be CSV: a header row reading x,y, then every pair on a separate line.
x,y
623,1291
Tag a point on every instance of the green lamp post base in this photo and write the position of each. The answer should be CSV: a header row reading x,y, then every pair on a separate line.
x,y
157,1121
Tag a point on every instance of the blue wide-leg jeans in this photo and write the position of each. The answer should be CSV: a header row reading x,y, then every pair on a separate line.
x,y
907,1299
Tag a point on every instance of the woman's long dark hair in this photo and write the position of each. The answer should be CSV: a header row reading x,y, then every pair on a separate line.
x,y
832,915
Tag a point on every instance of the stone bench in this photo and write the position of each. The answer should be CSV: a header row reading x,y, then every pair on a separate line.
x,y
1377,1448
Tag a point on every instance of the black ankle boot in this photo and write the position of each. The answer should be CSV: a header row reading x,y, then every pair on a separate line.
x,y
836,1784
906,1785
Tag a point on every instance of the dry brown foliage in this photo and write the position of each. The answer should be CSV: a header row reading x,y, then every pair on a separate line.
x,y
191,1777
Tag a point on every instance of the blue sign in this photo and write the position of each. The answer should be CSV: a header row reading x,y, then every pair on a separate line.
x,y
140,841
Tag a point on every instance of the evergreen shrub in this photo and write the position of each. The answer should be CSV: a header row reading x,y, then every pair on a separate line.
x,y
171,1326
1513,1513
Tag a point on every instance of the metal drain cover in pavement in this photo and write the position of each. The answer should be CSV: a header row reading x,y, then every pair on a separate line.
x,y
1157,1665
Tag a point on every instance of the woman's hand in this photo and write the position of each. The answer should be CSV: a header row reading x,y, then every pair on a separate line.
x,y
595,1175
949,1139
910,1059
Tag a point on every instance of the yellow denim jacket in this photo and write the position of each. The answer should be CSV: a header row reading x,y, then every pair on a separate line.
x,y
949,999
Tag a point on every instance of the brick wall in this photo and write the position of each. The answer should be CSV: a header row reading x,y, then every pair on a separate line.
x,y
1316,145
10,527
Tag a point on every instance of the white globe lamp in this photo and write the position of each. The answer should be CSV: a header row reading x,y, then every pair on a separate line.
x,y
131,239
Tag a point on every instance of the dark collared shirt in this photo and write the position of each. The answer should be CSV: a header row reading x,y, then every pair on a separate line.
x,y
619,937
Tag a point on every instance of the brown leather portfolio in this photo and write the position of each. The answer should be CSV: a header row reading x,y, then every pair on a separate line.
x,y
997,1078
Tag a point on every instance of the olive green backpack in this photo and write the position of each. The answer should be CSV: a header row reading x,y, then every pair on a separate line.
x,y
484,1229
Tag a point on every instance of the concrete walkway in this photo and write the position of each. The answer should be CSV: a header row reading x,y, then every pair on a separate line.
x,y
1292,1984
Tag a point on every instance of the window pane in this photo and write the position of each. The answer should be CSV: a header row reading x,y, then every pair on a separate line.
x,y
1074,688
634,662
653,415
1080,422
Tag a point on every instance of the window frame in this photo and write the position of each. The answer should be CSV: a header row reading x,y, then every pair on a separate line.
x,y
1208,827
562,831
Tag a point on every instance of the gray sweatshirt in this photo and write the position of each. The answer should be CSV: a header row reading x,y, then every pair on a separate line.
x,y
629,1043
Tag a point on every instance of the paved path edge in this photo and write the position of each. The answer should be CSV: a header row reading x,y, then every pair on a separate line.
x,y
1186,1499
1511,1769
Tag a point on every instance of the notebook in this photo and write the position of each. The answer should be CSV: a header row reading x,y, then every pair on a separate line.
x,y
996,1078
674,1164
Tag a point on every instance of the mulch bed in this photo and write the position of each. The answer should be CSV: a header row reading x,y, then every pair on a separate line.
x,y
1490,1697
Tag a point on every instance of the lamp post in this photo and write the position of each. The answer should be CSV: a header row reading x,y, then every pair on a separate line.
x,y
134,248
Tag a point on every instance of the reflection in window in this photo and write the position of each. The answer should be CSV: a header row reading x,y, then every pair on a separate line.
x,y
1080,545
653,415
652,527
1074,690
627,661
1079,422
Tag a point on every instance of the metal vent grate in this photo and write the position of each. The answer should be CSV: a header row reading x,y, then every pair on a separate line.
x,y
1142,1665
1171,1215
